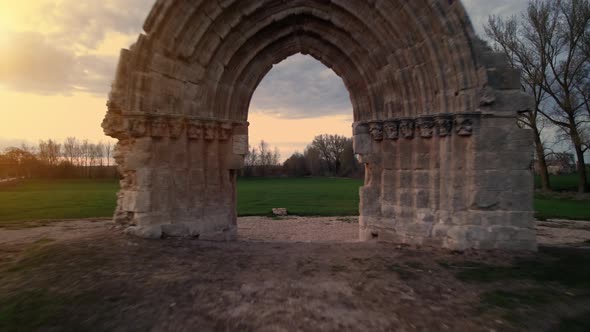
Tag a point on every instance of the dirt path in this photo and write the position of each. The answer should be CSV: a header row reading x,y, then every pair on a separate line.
x,y
563,232
55,231
287,229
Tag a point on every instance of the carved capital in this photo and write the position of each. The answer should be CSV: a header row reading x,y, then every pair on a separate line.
x,y
159,128
391,129
225,131
444,125
426,126
407,128
137,126
464,124
194,129
210,131
376,130
176,127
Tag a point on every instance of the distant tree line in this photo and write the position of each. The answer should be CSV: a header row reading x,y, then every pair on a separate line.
x,y
262,160
73,158
326,155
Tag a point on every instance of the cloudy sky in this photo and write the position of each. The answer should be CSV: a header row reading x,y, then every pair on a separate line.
x,y
57,59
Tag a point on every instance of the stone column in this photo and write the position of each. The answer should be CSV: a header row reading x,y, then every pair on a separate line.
x,y
179,176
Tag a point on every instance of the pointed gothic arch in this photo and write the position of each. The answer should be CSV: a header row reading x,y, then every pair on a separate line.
x,y
434,117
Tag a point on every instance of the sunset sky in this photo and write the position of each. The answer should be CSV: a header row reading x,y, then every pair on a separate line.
x,y
57,59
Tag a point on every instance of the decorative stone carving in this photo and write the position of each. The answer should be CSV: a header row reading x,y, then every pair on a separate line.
x,y
426,126
392,130
444,125
376,130
407,128
464,125
194,129
210,131
159,128
176,127
138,126
225,131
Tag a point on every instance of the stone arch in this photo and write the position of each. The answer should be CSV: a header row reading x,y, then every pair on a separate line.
x,y
434,117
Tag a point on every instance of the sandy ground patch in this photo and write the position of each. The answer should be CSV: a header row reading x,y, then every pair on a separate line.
x,y
284,229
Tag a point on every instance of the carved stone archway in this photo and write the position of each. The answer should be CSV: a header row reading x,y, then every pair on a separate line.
x,y
434,117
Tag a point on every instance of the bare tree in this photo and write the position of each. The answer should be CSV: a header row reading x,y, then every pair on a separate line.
x,y
275,157
19,162
264,154
251,157
560,27
49,152
314,161
296,165
331,148
85,155
100,152
267,158
548,43
69,149
108,152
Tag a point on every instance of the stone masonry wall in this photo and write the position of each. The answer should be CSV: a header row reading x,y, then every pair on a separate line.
x,y
456,181
179,176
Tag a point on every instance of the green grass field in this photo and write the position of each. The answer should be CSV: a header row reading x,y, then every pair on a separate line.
x,y
60,199
301,196
567,182
70,199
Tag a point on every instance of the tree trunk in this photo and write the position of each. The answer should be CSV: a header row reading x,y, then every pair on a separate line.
x,y
542,163
583,180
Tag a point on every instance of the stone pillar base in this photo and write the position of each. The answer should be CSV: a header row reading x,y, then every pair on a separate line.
x,y
183,231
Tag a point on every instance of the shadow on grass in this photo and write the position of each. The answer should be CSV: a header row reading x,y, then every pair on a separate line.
x,y
566,266
29,299
561,277
31,310
578,323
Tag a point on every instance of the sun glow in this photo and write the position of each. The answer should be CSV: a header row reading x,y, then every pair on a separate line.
x,y
16,15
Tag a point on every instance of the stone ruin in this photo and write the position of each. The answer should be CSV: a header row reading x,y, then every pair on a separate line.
x,y
434,117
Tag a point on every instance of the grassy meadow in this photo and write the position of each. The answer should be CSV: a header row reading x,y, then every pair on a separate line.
x,y
69,199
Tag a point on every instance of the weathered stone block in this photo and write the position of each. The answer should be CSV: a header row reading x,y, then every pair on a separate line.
x,y
137,201
422,199
483,199
504,78
362,144
279,211
240,144
146,232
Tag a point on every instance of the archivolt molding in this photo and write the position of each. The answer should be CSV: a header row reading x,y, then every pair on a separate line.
x,y
205,58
